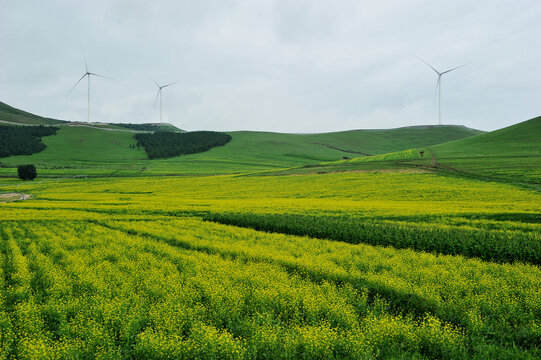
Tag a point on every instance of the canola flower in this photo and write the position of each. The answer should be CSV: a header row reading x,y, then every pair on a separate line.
x,y
128,268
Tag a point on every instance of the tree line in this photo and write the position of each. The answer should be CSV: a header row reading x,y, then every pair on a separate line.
x,y
161,145
23,140
140,127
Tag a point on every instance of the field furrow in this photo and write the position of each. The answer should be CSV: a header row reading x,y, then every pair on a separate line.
x,y
498,302
132,296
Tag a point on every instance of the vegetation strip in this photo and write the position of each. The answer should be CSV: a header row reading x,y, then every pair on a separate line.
x,y
500,246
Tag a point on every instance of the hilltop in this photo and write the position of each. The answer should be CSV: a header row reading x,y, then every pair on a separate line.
x,y
90,150
511,154
10,114
110,149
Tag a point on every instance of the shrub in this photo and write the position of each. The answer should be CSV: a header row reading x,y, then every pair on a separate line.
x,y
27,172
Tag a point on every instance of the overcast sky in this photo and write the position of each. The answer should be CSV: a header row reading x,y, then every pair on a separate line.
x,y
287,66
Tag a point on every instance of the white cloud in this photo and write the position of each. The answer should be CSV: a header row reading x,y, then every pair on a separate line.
x,y
299,66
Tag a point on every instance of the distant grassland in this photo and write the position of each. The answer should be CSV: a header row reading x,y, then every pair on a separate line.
x,y
88,151
512,154
11,114
127,268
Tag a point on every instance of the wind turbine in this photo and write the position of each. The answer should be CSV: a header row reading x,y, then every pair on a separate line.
x,y
159,94
438,84
87,74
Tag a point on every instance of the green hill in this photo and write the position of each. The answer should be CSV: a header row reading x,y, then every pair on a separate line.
x,y
90,150
511,154
9,114
106,149
375,142
523,139
12,116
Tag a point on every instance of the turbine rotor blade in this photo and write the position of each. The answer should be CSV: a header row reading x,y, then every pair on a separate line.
x,y
158,85
157,95
173,83
82,77
437,87
432,67
458,67
84,57
105,77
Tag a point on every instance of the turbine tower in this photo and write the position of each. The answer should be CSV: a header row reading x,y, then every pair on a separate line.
x,y
159,94
438,84
87,74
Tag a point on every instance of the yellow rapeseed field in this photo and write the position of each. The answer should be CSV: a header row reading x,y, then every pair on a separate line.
x,y
120,268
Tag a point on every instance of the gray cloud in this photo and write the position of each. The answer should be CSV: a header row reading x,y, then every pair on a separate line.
x,y
292,66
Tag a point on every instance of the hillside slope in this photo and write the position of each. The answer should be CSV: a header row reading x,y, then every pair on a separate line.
x,y
522,139
87,150
12,115
511,154
375,142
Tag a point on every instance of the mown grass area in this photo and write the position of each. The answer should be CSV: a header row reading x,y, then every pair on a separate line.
x,y
127,268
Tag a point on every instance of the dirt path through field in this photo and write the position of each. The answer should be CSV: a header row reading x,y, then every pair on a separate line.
x,y
10,197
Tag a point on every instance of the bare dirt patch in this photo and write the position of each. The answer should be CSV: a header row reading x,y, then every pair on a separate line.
x,y
10,197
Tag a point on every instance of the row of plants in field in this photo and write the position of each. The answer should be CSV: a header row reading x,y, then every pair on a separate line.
x,y
80,290
498,305
493,245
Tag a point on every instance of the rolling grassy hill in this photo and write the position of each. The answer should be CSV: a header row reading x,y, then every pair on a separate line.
x,y
89,150
511,154
523,139
13,115
375,142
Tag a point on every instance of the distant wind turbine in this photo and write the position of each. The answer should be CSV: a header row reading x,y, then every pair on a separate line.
x,y
438,84
88,74
159,94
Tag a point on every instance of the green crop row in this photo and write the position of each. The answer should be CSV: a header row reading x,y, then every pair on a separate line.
x,y
81,290
492,245
496,304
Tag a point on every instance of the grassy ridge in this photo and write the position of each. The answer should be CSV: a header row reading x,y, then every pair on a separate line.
x,y
517,140
11,114
376,142
511,154
92,151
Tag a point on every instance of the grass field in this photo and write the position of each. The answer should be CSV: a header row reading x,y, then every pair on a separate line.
x,y
89,151
11,114
510,155
142,267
